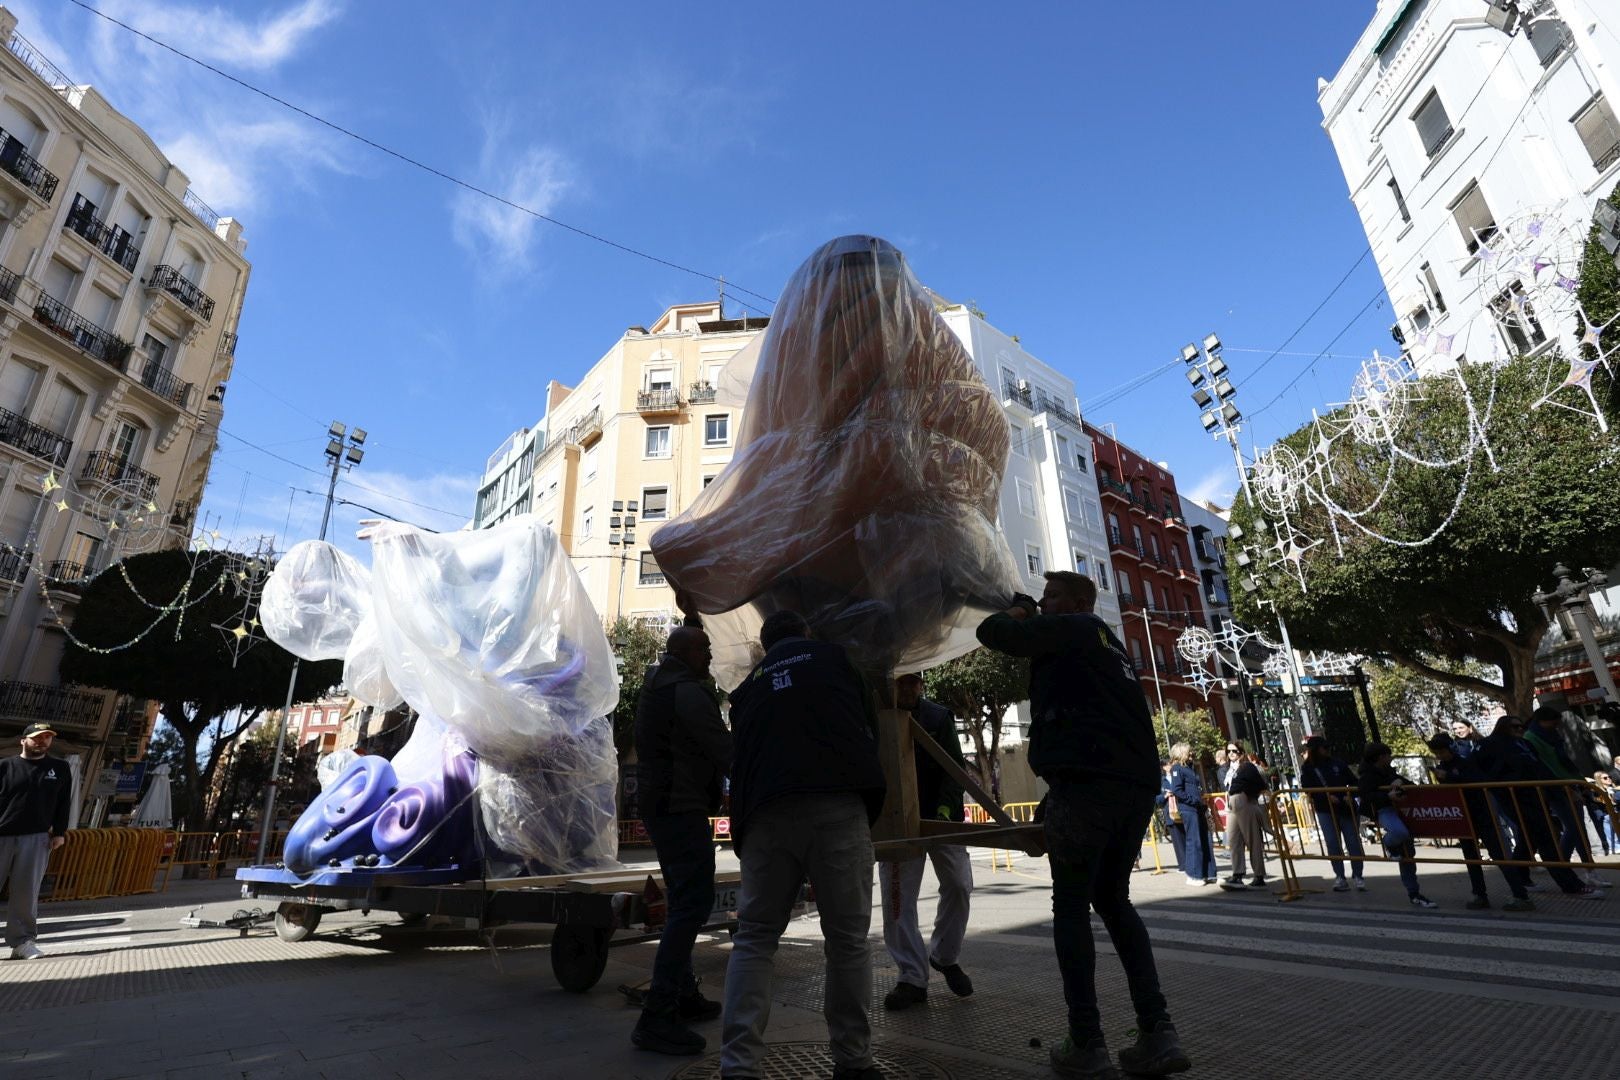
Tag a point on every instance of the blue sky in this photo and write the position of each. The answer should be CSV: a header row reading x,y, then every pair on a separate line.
x,y
1107,181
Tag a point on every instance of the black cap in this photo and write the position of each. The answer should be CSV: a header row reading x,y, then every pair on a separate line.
x,y
38,729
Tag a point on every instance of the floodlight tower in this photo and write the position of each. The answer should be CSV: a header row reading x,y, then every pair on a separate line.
x,y
1212,392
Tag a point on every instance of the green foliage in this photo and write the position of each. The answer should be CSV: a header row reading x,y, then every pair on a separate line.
x,y
979,687
1599,289
637,647
1403,697
1465,597
1403,741
1193,727
183,661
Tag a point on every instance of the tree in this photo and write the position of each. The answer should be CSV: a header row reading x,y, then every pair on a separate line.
x,y
1193,727
1407,700
166,644
979,687
637,646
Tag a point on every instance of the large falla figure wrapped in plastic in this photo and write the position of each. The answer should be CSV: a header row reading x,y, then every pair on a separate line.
x,y
490,637
864,486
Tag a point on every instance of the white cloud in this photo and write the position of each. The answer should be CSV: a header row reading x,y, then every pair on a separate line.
x,y
503,237
1217,487
214,34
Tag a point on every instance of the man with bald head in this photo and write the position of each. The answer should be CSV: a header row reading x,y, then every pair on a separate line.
x,y
684,753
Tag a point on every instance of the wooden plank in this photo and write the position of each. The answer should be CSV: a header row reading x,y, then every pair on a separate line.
x,y
634,882
898,818
960,775
1029,838
584,882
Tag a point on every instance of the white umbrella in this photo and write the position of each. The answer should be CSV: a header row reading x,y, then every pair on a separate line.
x,y
155,808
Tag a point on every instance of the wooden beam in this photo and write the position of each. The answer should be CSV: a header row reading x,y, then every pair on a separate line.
x,y
960,775
898,818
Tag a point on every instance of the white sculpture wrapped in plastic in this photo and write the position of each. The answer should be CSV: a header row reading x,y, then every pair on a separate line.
x,y
490,637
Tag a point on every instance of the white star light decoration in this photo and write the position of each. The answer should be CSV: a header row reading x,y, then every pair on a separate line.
x,y
1223,652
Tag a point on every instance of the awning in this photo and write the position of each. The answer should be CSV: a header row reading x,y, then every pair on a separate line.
x,y
1394,27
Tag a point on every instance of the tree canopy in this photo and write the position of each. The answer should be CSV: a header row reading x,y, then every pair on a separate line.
x,y
1193,727
979,687
637,647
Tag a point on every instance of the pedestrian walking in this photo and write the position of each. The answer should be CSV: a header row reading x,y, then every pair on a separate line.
x,y
1187,787
1506,757
1091,739
1567,803
1245,823
1382,789
1451,768
684,753
36,791
1603,811
1335,811
1170,818
899,881
806,785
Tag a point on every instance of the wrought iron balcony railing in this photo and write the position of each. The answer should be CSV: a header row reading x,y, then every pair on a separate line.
x,y
1058,409
9,281
657,401
183,289
1011,391
166,384
106,467
30,437
14,565
111,240
67,574
227,345
62,706
701,393
16,160
85,335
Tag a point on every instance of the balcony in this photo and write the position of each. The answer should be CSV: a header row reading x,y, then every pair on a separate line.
x,y
30,438
1111,488
1116,540
14,566
1056,408
183,515
1138,665
169,281
17,163
80,332
227,345
67,576
657,402
166,384
701,393
106,467
1127,600
1173,520
64,708
110,240
1014,392
586,430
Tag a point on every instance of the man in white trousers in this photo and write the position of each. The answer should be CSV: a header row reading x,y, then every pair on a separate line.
x,y
938,797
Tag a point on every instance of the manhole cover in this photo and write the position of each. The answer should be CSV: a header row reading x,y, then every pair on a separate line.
x,y
811,1061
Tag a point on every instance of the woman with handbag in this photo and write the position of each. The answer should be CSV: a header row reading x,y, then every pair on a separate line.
x,y
1187,788
1170,816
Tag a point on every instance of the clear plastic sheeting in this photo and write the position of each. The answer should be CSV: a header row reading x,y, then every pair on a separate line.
x,y
490,636
331,766
864,487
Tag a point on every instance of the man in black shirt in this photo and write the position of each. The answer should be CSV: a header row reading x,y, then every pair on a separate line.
x,y
1091,740
806,785
35,790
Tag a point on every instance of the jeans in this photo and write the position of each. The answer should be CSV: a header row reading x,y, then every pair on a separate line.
x,y
1573,842
1198,857
1604,826
1341,834
1398,841
1177,832
685,849
900,882
22,861
828,839
1093,833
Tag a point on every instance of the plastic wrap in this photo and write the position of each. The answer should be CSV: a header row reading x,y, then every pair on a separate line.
x,y
863,490
490,637
333,765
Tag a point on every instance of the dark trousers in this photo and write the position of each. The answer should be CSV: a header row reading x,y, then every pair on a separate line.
x,y
1177,832
1198,850
1533,833
1093,834
685,849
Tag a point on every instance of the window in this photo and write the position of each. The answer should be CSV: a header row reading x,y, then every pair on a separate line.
x,y
126,441
1062,449
587,518
1113,529
1093,514
83,552
1432,287
1102,575
1433,125
1124,584
717,429
1026,497
649,572
707,480
1520,328
1158,655
658,442
1080,460
1018,446
1136,537
1400,200
1071,501
1600,132
1548,37
1153,542
1473,216
1032,556
661,379
588,465
17,385
1079,563
654,503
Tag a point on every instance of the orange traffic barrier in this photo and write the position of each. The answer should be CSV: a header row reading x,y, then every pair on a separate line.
x,y
97,863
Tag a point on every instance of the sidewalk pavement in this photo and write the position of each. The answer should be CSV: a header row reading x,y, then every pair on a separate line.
x,y
370,998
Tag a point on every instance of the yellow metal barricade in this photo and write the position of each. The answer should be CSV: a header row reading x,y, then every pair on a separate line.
x,y
95,863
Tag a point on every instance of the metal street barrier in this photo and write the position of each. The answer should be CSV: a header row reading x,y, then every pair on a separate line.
x,y
97,863
209,855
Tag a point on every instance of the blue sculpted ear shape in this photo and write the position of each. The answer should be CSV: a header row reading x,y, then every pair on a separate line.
x,y
430,821
338,824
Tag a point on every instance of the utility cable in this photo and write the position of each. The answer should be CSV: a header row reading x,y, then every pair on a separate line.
x,y
423,166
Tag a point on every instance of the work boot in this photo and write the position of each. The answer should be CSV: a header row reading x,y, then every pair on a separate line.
x,y
1088,1061
955,978
661,1031
693,1007
904,996
1157,1052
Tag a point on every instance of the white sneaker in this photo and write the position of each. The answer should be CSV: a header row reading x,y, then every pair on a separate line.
x,y
26,951
1599,882
1196,881
1361,886
1340,885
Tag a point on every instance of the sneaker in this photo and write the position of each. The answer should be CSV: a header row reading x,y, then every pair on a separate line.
x,y
695,1008
26,951
1200,882
1157,1052
1536,886
1233,885
661,1032
1477,903
1520,904
1088,1062
1258,883
1211,880
1420,901
1340,885
1597,882
1587,892
1361,886
955,978
904,996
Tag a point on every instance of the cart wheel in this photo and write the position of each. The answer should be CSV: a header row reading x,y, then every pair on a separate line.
x,y
412,918
296,922
579,955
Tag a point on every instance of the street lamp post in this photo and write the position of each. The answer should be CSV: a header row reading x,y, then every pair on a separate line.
x,y
1570,595
343,451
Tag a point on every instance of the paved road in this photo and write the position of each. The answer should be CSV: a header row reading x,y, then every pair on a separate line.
x,y
1335,985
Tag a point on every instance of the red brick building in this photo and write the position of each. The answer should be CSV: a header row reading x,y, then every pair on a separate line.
x,y
317,722
1159,589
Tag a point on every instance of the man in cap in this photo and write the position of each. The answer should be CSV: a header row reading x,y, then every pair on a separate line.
x,y
35,791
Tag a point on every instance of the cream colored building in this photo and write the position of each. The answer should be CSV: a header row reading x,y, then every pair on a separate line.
x,y
626,449
120,292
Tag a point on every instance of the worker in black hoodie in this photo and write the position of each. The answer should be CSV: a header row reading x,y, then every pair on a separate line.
x,y
36,791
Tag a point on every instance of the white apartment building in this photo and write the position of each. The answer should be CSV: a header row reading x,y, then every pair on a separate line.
x,y
120,294
1453,119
